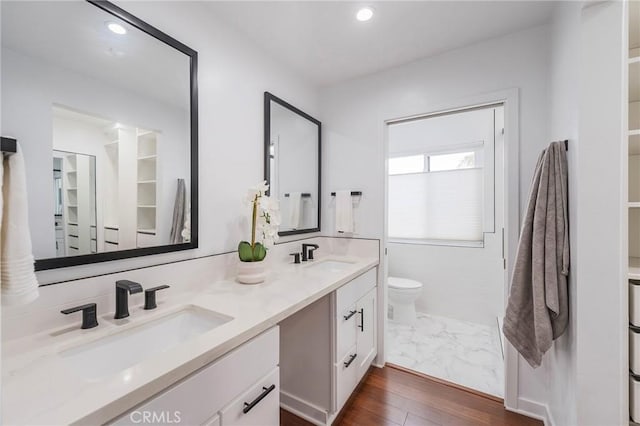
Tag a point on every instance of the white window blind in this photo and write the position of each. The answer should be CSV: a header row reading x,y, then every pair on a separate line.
x,y
445,205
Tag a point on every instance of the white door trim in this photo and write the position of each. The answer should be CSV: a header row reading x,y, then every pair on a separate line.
x,y
511,101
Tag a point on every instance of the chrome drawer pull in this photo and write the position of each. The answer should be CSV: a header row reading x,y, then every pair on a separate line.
x,y
361,326
351,358
249,406
351,313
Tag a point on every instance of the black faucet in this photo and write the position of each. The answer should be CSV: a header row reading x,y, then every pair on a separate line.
x,y
307,251
123,289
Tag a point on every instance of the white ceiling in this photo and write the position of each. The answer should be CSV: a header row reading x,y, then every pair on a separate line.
x,y
323,41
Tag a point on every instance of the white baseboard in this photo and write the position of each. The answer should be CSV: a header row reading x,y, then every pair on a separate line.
x,y
534,410
304,409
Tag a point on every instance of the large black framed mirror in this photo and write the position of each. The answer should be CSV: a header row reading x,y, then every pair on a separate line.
x,y
292,164
105,109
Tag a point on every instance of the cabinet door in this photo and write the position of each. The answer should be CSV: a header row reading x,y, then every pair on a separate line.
x,y
258,406
366,331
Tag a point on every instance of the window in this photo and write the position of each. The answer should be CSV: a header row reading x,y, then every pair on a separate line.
x,y
405,165
456,161
437,196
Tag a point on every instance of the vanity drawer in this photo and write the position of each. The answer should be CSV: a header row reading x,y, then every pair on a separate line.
x,y
346,330
146,240
200,396
72,241
634,398
349,293
93,232
110,247
346,371
264,408
634,349
634,302
72,229
111,234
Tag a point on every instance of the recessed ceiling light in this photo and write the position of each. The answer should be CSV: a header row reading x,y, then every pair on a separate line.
x,y
116,28
364,14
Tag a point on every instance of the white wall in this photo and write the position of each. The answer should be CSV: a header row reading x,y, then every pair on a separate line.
x,y
232,77
601,259
586,369
559,366
354,113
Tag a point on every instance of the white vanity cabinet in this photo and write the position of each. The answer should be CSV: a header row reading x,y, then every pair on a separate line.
x,y
356,334
241,388
326,349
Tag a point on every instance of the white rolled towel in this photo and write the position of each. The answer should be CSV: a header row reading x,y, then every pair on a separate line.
x,y
18,283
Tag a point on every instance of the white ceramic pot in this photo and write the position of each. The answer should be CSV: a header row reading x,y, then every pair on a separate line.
x,y
251,272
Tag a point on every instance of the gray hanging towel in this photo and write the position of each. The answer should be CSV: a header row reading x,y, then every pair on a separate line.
x,y
538,308
177,222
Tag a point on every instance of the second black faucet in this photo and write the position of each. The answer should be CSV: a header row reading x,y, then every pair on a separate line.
x,y
307,251
123,289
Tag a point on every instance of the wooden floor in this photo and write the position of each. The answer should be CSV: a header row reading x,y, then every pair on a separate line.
x,y
389,396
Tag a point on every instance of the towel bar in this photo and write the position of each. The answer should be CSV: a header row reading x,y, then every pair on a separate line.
x,y
8,146
303,195
353,193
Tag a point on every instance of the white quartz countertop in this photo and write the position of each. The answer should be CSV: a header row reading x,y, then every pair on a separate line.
x,y
39,388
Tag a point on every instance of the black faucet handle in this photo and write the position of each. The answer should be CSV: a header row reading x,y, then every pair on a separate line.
x,y
150,296
132,286
296,257
89,314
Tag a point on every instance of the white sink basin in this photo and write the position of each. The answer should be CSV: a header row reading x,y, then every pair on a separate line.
x,y
119,351
331,265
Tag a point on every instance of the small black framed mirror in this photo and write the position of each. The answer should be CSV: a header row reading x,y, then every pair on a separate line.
x,y
110,103
292,164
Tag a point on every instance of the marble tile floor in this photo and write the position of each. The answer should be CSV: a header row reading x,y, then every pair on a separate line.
x,y
457,351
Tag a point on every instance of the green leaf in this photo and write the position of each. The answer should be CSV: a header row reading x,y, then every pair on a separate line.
x,y
259,252
244,251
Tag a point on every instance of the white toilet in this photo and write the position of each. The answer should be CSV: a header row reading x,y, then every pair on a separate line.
x,y
403,293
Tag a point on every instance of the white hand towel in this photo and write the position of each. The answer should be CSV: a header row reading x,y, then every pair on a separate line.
x,y
295,207
18,283
344,212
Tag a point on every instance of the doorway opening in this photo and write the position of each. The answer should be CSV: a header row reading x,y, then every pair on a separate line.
x,y
446,248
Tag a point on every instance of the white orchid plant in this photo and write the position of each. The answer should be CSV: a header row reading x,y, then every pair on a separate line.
x,y
265,220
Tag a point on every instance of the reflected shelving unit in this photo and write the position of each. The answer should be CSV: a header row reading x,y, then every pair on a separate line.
x,y
71,204
130,168
111,189
634,208
147,188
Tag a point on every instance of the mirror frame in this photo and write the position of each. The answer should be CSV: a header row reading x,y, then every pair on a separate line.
x,y
62,262
268,97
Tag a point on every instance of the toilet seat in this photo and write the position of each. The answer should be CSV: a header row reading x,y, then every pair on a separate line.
x,y
403,283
